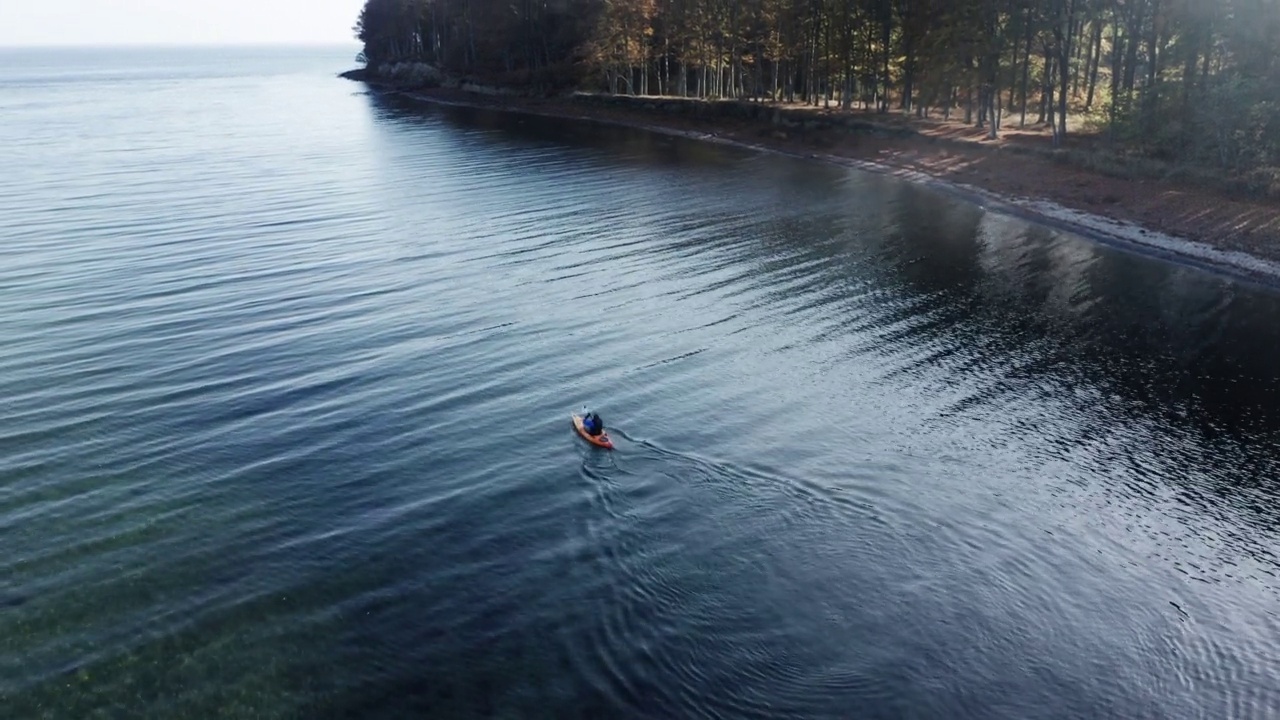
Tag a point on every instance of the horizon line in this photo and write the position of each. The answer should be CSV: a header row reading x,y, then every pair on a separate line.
x,y
143,45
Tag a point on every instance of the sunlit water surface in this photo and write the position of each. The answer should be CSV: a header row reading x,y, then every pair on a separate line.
x,y
286,385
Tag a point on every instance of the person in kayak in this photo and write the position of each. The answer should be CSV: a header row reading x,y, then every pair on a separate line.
x,y
592,423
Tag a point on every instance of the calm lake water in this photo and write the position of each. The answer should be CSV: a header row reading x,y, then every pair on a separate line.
x,y
286,385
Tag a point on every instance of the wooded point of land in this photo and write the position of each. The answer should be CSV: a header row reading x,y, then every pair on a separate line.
x,y
1194,83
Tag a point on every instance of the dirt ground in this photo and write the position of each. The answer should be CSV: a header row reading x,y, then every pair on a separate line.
x,y
957,153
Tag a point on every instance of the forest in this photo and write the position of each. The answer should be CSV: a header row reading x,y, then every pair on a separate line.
x,y
1195,82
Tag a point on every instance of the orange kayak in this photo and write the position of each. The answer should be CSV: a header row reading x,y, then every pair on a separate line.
x,y
601,440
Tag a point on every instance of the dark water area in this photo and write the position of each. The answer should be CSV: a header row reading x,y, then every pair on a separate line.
x,y
286,391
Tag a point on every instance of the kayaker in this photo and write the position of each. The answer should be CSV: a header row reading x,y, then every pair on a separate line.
x,y
593,424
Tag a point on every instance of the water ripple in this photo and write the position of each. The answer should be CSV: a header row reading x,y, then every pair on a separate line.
x,y
286,425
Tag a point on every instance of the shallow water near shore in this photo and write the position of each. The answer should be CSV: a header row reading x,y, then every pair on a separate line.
x,y
287,384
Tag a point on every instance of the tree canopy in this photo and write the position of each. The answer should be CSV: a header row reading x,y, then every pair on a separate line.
x,y
1191,80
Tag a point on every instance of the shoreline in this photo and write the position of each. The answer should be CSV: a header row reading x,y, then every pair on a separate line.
x,y
1251,254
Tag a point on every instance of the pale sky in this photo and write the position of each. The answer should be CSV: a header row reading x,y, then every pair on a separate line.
x,y
177,22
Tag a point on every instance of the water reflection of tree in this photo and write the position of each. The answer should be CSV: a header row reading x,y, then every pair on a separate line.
x,y
876,265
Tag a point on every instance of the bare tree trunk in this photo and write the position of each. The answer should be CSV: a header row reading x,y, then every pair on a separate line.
x,y
993,125
1093,69
1013,73
826,69
663,74
885,40
1116,49
1153,46
983,91
1026,65
1080,72
909,59
471,40
719,64
1065,42
733,49
1133,29
702,75
1046,85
